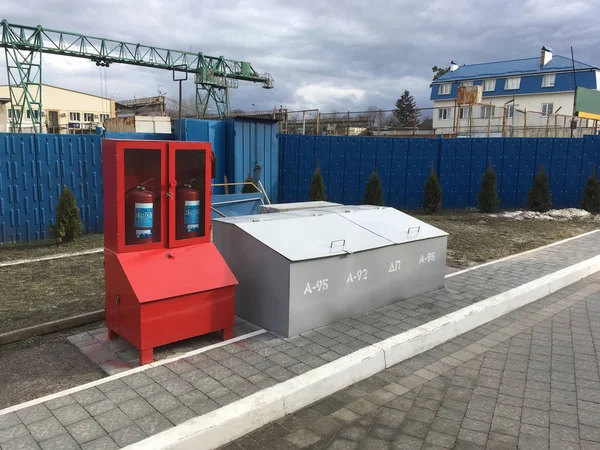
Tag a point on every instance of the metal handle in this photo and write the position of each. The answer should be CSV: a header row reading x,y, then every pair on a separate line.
x,y
412,228
338,240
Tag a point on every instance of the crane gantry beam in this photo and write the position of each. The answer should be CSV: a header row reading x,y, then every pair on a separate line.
x,y
24,46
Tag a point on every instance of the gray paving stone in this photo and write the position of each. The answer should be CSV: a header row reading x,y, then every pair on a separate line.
x,y
59,402
103,443
88,396
8,421
98,408
21,443
113,420
70,414
33,413
160,374
203,407
180,415
121,395
13,432
111,386
85,431
177,386
128,435
61,442
153,423
46,429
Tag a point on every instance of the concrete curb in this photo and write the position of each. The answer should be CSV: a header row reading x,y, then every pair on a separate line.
x,y
51,327
248,414
16,262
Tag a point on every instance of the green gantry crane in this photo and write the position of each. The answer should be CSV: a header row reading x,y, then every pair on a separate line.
x,y
24,45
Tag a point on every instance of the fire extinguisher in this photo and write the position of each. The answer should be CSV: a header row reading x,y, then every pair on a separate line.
x,y
187,210
139,205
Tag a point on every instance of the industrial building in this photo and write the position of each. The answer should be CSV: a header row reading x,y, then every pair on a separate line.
x,y
65,111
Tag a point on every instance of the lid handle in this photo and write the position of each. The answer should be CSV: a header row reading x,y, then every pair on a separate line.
x,y
343,241
413,228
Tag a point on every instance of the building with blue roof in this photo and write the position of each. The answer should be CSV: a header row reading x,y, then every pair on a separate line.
x,y
520,93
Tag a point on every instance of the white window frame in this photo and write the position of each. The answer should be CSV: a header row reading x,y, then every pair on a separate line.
x,y
463,113
510,111
488,111
445,89
548,80
103,117
547,109
74,117
517,82
488,89
86,117
444,113
466,83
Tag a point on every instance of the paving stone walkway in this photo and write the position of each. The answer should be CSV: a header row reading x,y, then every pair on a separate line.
x,y
123,411
529,380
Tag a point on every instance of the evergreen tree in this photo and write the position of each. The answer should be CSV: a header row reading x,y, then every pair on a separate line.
x,y
68,224
373,191
439,71
317,187
249,188
487,200
432,200
591,194
539,198
406,111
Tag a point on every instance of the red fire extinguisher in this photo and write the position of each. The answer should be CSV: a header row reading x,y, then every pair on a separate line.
x,y
187,210
139,223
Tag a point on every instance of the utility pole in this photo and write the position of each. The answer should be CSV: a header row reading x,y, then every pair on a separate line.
x,y
573,122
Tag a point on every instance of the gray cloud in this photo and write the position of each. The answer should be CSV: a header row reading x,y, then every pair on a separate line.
x,y
322,54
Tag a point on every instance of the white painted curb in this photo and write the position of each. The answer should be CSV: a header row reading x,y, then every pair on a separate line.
x,y
248,414
16,262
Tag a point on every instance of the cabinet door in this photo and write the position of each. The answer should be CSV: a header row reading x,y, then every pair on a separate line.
x,y
141,195
189,193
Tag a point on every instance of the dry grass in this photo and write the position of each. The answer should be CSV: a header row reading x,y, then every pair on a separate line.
x,y
38,292
477,238
42,291
10,252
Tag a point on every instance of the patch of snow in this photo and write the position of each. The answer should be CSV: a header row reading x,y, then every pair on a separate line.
x,y
553,214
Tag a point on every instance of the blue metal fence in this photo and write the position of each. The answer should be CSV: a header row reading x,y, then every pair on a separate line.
x,y
404,165
33,171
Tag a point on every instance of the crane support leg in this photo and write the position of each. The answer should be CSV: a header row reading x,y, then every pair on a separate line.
x,y
24,72
219,96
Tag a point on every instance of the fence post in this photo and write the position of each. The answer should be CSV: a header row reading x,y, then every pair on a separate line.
x,y
525,123
503,120
348,124
555,126
318,123
490,121
470,118
564,125
379,123
303,122
595,126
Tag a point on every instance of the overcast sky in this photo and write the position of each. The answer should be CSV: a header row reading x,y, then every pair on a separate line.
x,y
342,55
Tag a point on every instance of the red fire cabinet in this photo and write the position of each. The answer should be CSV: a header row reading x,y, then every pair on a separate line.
x,y
165,280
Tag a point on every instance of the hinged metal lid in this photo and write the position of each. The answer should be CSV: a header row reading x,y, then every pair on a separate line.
x,y
311,237
393,225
